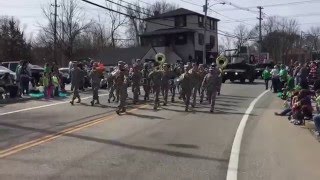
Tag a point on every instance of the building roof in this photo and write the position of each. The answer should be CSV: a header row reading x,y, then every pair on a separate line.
x,y
111,56
177,12
167,31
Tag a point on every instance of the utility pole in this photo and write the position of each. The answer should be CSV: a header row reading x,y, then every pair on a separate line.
x,y
55,32
204,55
260,32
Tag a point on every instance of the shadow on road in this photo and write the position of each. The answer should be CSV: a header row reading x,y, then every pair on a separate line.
x,y
188,146
120,144
144,116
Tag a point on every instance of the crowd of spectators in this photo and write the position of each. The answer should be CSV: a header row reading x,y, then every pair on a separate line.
x,y
299,86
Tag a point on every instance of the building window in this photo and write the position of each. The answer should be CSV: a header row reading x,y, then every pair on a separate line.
x,y
181,39
212,41
200,21
201,39
212,24
180,21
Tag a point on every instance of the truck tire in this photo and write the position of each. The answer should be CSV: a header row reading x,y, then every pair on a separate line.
x,y
251,80
242,80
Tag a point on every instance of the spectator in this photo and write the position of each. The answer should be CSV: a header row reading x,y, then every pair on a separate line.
x,y
275,78
266,75
24,79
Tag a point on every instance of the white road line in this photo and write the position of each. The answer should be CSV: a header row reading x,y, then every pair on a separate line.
x,y
232,173
44,106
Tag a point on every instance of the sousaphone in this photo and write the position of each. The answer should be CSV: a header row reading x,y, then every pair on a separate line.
x,y
222,61
160,58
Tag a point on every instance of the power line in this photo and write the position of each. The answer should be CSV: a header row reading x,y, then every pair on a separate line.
x,y
127,15
217,12
238,7
276,5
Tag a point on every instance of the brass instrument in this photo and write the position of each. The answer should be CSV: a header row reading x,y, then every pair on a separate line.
x,y
115,72
160,58
222,61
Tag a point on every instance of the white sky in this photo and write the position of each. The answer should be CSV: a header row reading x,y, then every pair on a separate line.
x,y
30,15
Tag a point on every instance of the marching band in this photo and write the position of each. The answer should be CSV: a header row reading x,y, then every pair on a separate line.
x,y
189,81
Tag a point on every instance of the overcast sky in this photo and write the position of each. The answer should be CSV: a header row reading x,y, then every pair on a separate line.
x,y
305,11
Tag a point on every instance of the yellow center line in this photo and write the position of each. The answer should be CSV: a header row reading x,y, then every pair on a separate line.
x,y
36,142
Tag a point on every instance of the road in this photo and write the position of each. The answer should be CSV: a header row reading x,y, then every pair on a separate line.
x,y
54,140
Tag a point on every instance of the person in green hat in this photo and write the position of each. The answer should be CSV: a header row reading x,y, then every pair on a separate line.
x,y
266,75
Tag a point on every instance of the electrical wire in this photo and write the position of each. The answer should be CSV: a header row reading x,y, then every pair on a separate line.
x,y
127,15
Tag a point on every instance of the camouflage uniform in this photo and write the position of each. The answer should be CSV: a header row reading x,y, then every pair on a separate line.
x,y
196,84
112,87
146,82
122,86
136,79
77,77
211,83
202,73
165,83
95,83
155,77
186,87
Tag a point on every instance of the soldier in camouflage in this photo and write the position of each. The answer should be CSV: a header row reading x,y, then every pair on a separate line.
x,y
155,77
136,77
186,86
146,81
211,83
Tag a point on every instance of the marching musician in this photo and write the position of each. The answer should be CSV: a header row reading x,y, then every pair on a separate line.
x,y
122,86
186,86
111,87
155,77
146,81
211,83
95,76
196,83
136,77
165,82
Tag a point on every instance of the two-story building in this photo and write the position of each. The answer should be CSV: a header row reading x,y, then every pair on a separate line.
x,y
179,34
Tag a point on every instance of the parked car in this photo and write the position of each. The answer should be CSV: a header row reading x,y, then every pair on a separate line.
x,y
12,65
4,70
36,72
65,75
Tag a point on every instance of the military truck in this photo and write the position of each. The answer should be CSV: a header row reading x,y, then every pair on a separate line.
x,y
239,71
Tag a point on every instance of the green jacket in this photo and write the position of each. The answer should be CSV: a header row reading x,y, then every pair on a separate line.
x,y
283,75
266,74
290,83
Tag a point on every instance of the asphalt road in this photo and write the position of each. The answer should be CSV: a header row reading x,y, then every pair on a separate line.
x,y
54,140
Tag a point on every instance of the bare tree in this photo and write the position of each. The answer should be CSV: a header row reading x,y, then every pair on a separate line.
x,y
312,38
163,6
71,23
136,25
279,35
242,34
116,21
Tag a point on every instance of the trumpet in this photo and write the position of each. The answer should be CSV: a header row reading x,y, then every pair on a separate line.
x,y
222,61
